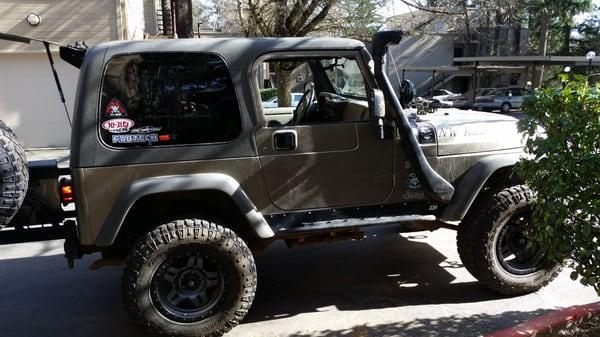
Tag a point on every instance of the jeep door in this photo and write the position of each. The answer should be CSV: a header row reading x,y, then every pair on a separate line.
x,y
325,152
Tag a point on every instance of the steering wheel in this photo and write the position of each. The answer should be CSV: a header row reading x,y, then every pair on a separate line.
x,y
307,98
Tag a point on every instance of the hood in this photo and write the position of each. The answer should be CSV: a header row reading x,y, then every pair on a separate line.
x,y
461,132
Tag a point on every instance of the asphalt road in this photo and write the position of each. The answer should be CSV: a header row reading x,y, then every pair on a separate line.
x,y
390,284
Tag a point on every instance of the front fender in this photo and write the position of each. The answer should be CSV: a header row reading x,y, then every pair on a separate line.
x,y
191,182
473,181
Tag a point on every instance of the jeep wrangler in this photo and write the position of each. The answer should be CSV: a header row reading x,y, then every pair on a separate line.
x,y
178,170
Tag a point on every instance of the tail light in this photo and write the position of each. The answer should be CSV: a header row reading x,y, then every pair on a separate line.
x,y
65,191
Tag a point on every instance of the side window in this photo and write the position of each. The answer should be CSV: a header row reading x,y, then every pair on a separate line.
x,y
300,91
346,77
521,92
159,99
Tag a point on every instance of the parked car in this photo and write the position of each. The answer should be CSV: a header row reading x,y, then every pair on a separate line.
x,y
442,95
465,100
272,103
460,102
503,99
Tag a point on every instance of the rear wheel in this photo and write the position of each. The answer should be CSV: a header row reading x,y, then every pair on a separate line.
x,y
189,278
14,175
495,248
505,107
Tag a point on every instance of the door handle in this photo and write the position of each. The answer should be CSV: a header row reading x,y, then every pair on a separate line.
x,y
285,140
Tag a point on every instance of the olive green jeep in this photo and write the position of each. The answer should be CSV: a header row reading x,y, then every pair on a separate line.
x,y
179,169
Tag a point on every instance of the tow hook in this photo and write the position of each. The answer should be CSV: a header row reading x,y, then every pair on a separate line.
x,y
72,247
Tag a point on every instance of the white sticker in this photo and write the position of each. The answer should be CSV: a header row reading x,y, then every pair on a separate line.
x,y
413,181
136,138
146,129
118,125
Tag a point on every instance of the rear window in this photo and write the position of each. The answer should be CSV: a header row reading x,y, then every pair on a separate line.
x,y
168,99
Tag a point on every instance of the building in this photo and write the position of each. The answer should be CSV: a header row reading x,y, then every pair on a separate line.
x,y
428,59
29,102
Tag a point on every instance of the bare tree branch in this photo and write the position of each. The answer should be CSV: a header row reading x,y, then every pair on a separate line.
x,y
258,19
429,9
316,20
305,15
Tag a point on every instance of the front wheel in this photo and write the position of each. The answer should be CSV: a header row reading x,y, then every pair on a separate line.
x,y
505,107
189,278
494,246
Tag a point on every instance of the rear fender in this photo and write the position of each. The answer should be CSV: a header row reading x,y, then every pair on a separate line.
x,y
192,182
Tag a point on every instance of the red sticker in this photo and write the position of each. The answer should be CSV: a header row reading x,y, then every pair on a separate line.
x,y
115,109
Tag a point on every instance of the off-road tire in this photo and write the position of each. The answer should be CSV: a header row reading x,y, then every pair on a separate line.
x,y
14,174
477,247
505,108
189,235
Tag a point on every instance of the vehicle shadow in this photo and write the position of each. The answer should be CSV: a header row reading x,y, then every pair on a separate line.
x,y
41,297
384,270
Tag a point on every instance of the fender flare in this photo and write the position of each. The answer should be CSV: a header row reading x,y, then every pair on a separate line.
x,y
172,183
473,181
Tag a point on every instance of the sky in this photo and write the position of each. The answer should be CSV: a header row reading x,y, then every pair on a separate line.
x,y
395,7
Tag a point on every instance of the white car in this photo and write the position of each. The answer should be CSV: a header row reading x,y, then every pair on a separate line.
x,y
443,94
272,103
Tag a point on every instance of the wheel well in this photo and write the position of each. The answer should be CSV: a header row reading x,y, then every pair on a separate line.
x,y
500,179
155,209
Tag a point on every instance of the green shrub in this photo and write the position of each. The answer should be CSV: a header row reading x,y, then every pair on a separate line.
x,y
267,94
564,170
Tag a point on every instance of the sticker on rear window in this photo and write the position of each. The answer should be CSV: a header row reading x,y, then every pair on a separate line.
x,y
135,138
146,129
118,125
115,109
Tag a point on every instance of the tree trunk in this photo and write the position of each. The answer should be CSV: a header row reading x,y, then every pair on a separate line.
x,y
184,20
165,6
542,47
280,28
283,81
566,50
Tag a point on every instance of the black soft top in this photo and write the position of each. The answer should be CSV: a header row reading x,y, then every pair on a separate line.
x,y
235,51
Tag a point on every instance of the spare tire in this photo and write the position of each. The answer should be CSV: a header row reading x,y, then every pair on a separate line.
x,y
14,175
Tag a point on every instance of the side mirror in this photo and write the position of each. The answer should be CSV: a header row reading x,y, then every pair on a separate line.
x,y
379,110
407,92
378,104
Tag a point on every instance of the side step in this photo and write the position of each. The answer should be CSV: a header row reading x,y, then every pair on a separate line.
x,y
351,223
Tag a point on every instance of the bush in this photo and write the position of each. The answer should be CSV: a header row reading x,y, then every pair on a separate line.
x,y
564,170
267,94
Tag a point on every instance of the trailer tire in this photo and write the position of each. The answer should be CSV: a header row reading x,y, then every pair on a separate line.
x,y
14,175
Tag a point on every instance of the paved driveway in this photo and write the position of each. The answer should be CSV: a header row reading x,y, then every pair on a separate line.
x,y
390,284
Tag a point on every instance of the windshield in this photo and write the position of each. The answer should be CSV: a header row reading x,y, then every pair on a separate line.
x,y
345,76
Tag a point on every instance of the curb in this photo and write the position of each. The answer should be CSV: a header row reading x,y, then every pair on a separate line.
x,y
551,322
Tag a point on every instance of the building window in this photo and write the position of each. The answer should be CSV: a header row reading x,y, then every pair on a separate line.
x,y
155,99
